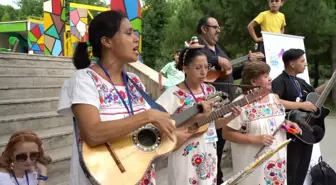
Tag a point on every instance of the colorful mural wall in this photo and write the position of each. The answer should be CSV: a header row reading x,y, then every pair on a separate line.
x,y
132,9
35,37
54,26
78,25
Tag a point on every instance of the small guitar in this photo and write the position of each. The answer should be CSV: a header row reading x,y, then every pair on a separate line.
x,y
125,161
312,124
213,74
202,125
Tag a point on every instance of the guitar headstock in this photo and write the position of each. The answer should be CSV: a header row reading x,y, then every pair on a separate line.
x,y
256,94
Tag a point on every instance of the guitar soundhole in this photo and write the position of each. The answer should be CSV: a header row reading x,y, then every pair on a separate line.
x,y
147,137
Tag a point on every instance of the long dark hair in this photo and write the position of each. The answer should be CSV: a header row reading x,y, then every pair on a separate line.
x,y
105,24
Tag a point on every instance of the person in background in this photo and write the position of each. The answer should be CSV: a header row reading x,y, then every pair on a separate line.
x,y
174,76
293,92
270,21
23,162
195,159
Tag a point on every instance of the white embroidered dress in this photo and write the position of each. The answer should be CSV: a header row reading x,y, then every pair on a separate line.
x,y
258,119
87,87
196,161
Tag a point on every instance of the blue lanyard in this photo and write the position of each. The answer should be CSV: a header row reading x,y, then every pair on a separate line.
x,y
297,88
185,83
130,108
17,182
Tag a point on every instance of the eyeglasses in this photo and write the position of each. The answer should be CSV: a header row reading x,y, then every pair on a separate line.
x,y
22,157
272,1
214,27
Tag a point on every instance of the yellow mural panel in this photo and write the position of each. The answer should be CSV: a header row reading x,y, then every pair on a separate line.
x,y
47,21
41,40
84,19
74,39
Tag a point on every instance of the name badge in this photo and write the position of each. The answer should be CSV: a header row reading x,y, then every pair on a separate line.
x,y
211,136
298,99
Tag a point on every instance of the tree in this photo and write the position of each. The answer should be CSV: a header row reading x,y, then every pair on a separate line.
x,y
155,17
30,8
8,13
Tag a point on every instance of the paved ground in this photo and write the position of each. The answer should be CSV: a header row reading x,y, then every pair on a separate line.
x,y
328,149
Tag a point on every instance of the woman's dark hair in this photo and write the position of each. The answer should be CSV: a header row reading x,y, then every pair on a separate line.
x,y
187,56
292,54
105,24
253,70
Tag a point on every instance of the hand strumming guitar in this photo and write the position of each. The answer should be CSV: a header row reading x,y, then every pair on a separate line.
x,y
162,121
308,106
225,64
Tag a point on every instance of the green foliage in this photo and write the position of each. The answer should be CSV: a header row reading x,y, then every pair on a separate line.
x,y
155,17
8,13
313,19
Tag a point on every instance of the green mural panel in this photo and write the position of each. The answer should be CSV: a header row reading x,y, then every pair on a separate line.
x,y
13,27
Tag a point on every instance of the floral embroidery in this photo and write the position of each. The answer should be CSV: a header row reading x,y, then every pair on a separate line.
x,y
205,165
110,96
188,148
257,111
275,172
193,181
186,99
148,178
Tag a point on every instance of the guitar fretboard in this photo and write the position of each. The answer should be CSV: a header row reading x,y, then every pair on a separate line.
x,y
223,111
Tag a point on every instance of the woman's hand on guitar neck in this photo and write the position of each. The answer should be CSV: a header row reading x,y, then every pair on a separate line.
x,y
307,106
162,121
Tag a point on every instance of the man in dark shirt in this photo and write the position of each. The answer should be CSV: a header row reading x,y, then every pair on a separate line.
x,y
292,92
208,30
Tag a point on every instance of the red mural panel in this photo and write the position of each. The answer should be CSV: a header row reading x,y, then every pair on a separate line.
x,y
56,7
118,5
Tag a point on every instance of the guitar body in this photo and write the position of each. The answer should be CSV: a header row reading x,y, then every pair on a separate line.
x,y
213,75
313,133
136,152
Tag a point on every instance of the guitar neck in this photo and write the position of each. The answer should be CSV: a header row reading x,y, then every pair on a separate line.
x,y
326,91
239,60
223,111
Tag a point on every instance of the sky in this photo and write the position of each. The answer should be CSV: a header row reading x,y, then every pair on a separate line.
x,y
8,2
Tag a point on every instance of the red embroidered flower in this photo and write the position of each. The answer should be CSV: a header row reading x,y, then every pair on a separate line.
x,y
146,181
254,110
123,94
209,89
198,160
141,99
135,79
95,78
193,181
180,93
199,99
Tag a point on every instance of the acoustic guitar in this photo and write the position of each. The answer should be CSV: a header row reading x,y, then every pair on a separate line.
x,y
202,125
125,161
312,124
214,74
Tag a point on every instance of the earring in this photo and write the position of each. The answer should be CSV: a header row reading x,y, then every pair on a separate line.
x,y
12,165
